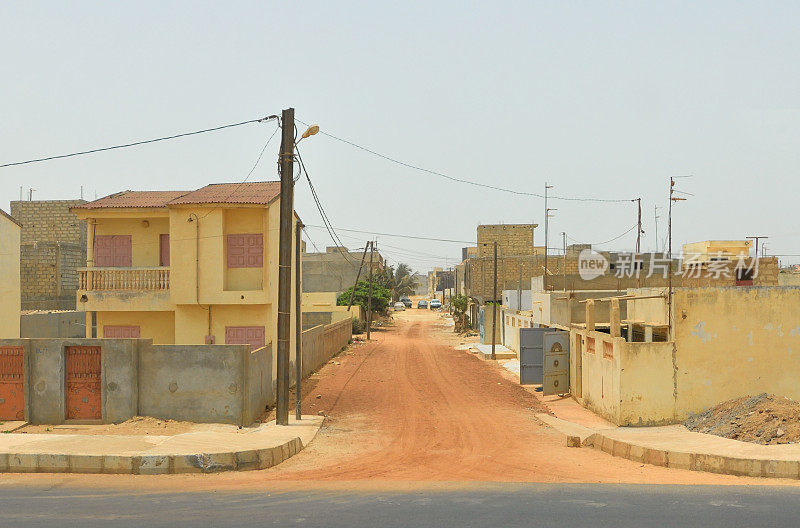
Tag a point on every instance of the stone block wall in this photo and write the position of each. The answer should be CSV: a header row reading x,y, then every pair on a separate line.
x,y
53,246
512,239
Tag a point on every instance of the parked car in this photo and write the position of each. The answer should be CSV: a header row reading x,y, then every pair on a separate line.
x,y
423,305
399,307
435,303
406,301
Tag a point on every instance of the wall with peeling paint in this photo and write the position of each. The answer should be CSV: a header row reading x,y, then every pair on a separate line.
x,y
734,342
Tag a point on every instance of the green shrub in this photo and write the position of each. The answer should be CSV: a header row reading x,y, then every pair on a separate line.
x,y
359,326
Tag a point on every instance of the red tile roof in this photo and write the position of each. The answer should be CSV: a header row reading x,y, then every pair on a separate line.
x,y
259,193
232,193
127,199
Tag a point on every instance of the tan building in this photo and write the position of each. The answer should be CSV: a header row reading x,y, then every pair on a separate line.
x,y
10,232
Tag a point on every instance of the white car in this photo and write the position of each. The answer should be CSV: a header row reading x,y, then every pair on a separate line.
x,y
399,307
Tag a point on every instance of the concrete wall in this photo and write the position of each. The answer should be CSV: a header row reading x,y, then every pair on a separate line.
x,y
561,309
198,383
510,299
10,294
728,343
332,272
195,383
53,324
512,322
46,377
323,342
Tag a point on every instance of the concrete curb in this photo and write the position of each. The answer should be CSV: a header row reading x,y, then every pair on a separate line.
x,y
744,467
150,464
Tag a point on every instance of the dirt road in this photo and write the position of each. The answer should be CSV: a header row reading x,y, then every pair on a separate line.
x,y
409,407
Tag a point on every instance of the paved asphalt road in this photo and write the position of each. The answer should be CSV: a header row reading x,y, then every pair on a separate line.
x,y
556,505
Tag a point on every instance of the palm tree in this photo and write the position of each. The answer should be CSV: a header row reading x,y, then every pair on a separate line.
x,y
401,280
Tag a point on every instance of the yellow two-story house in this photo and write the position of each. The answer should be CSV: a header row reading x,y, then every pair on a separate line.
x,y
185,267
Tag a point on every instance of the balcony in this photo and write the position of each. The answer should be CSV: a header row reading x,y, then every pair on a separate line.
x,y
154,279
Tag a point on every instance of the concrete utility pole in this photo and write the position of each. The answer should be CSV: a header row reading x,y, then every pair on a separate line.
x,y
494,303
298,321
672,198
546,224
369,298
286,163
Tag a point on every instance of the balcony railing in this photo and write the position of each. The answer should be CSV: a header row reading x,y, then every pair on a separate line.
x,y
123,279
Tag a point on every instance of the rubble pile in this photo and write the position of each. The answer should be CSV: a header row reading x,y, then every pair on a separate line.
x,y
763,419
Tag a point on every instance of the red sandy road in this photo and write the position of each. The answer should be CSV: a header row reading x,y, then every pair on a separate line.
x,y
408,408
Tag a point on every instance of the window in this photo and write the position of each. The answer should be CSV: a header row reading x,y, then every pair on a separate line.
x,y
245,251
112,251
163,251
245,335
121,332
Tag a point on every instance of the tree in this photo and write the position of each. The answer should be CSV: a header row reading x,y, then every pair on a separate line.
x,y
381,296
400,280
460,303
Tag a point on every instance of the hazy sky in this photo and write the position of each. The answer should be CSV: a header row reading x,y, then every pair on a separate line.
x,y
601,99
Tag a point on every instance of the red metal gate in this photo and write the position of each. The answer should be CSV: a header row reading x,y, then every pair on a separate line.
x,y
83,383
12,380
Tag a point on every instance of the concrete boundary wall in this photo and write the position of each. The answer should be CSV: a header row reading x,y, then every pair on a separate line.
x,y
197,383
321,343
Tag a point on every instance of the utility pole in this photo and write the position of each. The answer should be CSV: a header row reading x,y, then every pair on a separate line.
x,y
636,262
546,223
564,235
358,276
639,228
369,298
655,218
286,163
756,238
298,320
494,303
672,198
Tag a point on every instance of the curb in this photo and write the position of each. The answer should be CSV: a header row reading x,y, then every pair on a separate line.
x,y
247,460
743,467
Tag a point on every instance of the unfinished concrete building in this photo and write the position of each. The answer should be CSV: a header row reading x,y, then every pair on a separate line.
x,y
52,248
336,269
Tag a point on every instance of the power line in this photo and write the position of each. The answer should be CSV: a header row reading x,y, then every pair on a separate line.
x,y
607,241
461,180
252,169
125,145
325,219
399,236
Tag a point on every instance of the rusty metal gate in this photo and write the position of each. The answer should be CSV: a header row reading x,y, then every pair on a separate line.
x,y
83,383
556,362
12,383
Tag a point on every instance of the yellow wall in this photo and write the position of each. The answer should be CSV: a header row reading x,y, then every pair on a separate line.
x,y
10,293
316,300
145,239
708,249
238,297
728,343
733,342
158,326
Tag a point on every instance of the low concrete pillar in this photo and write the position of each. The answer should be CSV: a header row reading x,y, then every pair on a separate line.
x,y
616,331
589,314
648,334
